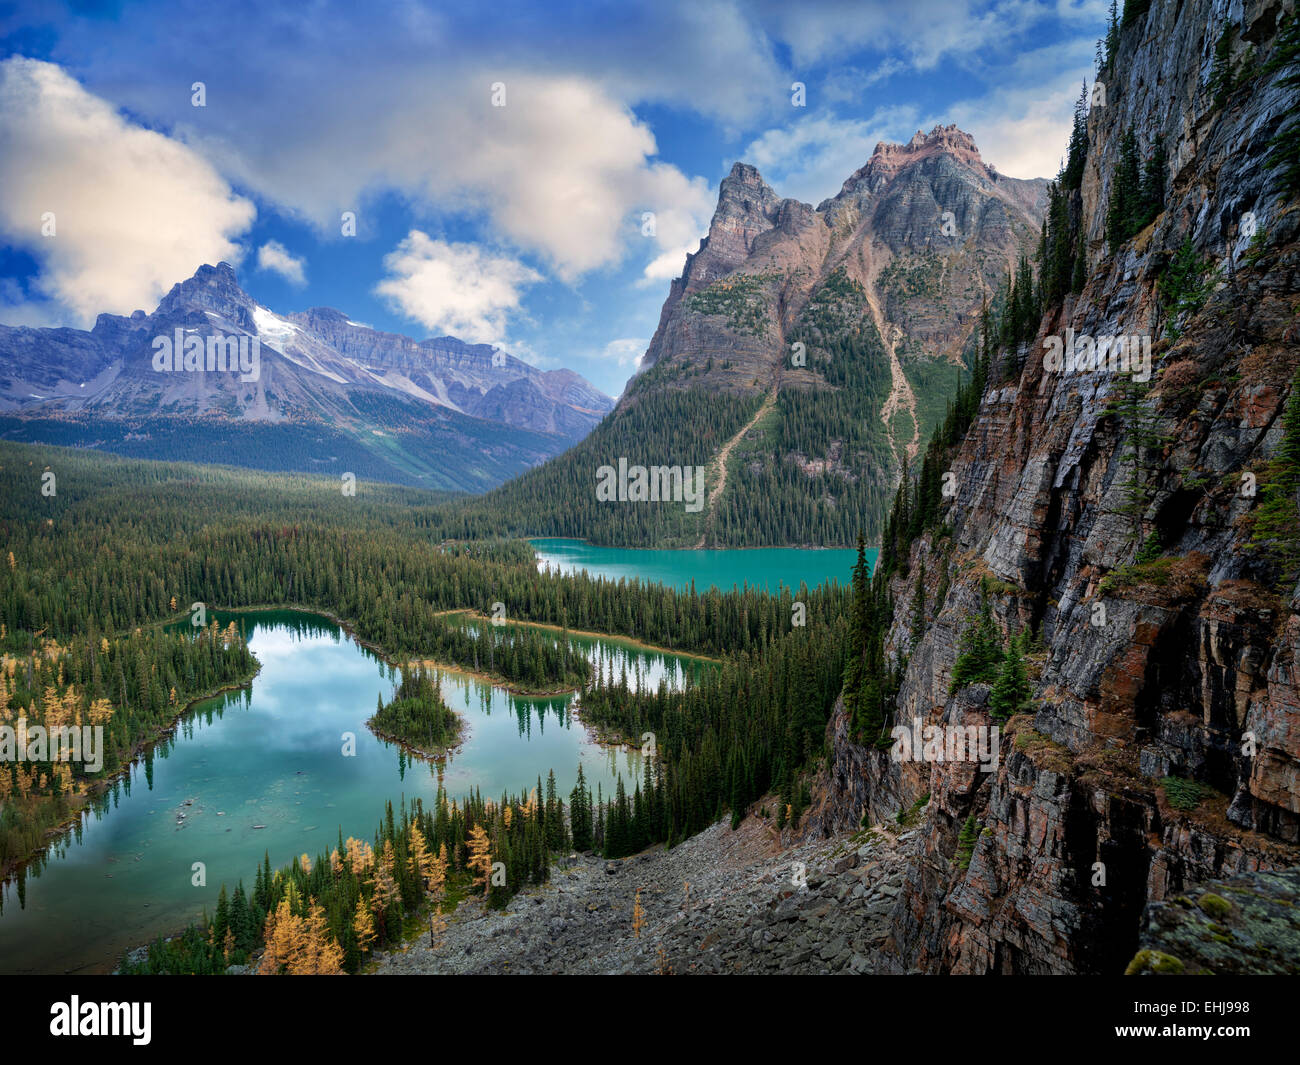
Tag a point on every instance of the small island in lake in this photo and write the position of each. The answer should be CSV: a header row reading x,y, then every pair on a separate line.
x,y
417,717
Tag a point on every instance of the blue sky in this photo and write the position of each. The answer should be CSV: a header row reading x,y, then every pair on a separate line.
x,y
500,159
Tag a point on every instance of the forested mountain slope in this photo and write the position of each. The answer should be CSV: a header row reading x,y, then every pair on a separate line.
x,y
853,321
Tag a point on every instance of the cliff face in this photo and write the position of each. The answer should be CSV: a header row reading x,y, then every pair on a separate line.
x,y
1185,664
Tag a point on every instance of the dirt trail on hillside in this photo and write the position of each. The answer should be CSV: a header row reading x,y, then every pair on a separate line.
x,y
901,396
723,456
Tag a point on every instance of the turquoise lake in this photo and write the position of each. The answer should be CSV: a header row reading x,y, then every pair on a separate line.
x,y
262,769
767,568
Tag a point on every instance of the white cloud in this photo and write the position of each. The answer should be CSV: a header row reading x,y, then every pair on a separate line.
x,y
848,84
626,351
134,211
1023,126
404,105
922,31
458,289
667,266
275,257
557,172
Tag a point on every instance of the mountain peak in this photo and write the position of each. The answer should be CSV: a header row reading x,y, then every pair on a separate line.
x,y
946,139
745,189
221,274
744,173
214,288
889,158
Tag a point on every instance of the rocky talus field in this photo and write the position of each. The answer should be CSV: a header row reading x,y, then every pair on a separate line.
x,y
722,902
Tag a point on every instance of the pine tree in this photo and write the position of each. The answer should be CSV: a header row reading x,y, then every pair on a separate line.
x,y
1124,204
580,814
1077,154
363,927
1112,33
1222,72
322,954
981,647
1276,529
1011,689
1284,147
437,883
918,606
1129,405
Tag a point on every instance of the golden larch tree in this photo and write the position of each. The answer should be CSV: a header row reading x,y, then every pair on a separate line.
x,y
363,926
480,857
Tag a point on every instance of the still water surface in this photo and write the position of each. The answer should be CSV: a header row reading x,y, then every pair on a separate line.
x,y
262,770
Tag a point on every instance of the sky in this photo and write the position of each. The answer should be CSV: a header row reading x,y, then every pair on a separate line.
x,y
528,175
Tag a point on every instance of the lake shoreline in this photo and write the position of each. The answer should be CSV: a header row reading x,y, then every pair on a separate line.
x,y
750,547
85,802
591,634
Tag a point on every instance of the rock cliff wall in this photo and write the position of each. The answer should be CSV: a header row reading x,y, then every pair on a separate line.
x,y
1185,664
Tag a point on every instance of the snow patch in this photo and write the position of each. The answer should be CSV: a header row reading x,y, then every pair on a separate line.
x,y
273,329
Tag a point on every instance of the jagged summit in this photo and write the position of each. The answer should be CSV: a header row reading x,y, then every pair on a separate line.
x,y
943,145
942,140
934,194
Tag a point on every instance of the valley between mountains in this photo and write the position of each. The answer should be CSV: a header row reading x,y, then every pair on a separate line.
x,y
1087,568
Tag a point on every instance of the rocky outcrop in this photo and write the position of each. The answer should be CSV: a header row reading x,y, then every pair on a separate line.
x,y
1160,749
1249,925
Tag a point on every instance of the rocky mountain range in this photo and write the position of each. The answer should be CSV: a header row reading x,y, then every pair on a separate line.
x,y
927,229
330,395
806,352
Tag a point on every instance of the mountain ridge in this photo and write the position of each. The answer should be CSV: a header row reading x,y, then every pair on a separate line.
x,y
436,412
857,315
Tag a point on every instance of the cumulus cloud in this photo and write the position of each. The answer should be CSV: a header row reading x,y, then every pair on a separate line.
x,y
556,172
132,210
1023,125
666,266
405,106
458,289
275,257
